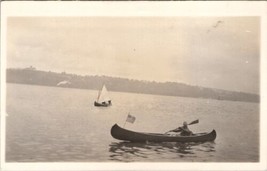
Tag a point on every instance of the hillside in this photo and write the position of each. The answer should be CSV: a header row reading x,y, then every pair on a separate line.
x,y
37,77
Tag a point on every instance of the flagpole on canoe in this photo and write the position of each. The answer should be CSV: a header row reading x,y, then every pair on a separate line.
x,y
124,123
126,119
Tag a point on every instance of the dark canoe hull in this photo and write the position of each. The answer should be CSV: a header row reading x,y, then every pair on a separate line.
x,y
102,105
127,135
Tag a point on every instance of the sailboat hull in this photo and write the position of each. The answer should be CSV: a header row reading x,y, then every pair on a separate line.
x,y
102,104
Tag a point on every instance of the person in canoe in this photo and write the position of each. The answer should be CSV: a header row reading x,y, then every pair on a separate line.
x,y
184,130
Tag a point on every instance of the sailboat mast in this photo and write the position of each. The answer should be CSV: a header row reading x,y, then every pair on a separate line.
x,y
99,93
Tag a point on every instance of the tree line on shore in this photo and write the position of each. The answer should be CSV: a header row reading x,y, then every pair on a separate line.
x,y
48,78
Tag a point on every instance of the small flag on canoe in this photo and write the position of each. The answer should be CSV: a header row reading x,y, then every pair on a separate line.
x,y
130,118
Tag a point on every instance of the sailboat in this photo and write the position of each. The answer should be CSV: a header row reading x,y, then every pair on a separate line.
x,y
103,100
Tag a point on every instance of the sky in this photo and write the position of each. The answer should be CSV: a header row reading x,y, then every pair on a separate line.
x,y
215,52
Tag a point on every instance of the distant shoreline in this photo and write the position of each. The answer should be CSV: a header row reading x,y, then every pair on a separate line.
x,y
38,77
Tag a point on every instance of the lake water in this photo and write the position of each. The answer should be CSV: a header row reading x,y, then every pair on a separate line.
x,y
52,124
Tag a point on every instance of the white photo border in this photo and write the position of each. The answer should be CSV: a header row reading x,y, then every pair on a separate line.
x,y
134,8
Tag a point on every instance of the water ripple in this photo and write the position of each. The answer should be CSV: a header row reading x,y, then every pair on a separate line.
x,y
124,151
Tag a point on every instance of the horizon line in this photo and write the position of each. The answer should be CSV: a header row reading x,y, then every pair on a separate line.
x,y
150,81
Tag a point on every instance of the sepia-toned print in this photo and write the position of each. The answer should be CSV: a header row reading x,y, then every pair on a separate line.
x,y
131,89
69,80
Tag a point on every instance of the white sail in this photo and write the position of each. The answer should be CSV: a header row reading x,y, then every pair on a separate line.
x,y
103,95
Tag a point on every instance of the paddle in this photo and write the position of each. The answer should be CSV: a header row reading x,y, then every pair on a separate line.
x,y
179,129
194,122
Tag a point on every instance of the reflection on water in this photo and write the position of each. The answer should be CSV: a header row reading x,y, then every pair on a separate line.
x,y
130,151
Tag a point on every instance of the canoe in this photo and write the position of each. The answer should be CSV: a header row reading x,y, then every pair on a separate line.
x,y
123,134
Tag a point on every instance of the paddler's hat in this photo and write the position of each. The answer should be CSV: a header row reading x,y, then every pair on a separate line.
x,y
185,123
